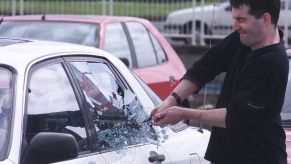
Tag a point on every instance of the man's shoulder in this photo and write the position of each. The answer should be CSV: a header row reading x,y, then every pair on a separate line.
x,y
229,44
272,52
275,58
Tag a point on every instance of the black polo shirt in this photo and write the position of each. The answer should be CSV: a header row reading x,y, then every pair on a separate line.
x,y
253,94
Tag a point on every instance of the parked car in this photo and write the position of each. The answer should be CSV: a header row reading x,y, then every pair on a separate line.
x,y
180,21
134,40
69,103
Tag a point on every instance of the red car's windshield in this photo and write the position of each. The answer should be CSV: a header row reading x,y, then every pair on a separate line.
x,y
71,32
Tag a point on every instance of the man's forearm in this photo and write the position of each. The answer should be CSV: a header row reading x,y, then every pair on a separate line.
x,y
214,117
184,89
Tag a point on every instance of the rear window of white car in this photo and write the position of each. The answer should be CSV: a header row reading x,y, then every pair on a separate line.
x,y
5,108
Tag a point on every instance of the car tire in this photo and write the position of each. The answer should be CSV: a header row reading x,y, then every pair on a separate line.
x,y
187,29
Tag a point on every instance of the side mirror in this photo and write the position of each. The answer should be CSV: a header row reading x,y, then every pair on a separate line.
x,y
125,61
49,147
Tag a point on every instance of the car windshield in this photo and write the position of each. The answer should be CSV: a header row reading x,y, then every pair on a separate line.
x,y
71,32
286,110
5,108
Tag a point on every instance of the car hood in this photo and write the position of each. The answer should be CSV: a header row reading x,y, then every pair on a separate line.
x,y
186,14
190,10
180,17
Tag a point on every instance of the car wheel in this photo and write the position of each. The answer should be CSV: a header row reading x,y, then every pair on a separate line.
x,y
187,29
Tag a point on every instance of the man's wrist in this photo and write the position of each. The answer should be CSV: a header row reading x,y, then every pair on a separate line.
x,y
170,101
177,98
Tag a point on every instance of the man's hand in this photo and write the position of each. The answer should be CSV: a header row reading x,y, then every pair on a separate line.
x,y
174,114
184,89
168,102
171,115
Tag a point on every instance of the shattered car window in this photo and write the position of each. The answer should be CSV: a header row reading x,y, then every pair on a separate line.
x,y
5,109
117,114
52,106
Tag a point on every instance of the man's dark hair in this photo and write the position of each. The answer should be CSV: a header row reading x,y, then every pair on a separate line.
x,y
259,7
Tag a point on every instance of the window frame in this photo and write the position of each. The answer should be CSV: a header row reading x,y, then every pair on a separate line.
x,y
128,39
152,36
88,58
134,48
12,117
42,64
64,61
119,77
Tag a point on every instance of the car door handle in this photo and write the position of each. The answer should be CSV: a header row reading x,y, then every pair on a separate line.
x,y
172,78
156,158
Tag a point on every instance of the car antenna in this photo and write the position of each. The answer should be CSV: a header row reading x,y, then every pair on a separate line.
x,y
210,45
43,17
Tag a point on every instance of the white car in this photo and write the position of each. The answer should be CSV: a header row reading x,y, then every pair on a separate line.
x,y
180,21
66,103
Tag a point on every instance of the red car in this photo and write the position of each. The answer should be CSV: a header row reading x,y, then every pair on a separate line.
x,y
134,40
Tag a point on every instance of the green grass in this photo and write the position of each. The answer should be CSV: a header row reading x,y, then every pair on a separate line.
x,y
139,9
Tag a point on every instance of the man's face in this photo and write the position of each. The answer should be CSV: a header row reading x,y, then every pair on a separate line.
x,y
250,29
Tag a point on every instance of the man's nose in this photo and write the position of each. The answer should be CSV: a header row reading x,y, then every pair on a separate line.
x,y
235,26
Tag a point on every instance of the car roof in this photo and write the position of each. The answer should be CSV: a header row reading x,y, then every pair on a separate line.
x,y
73,18
18,53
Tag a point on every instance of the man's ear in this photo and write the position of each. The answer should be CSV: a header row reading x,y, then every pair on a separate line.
x,y
266,18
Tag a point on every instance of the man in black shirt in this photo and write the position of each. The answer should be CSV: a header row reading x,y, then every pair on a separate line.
x,y
246,122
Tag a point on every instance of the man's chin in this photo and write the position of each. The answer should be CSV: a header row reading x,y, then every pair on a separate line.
x,y
244,42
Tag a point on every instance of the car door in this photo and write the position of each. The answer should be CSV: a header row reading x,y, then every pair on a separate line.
x,y
54,107
117,114
153,64
116,43
139,45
